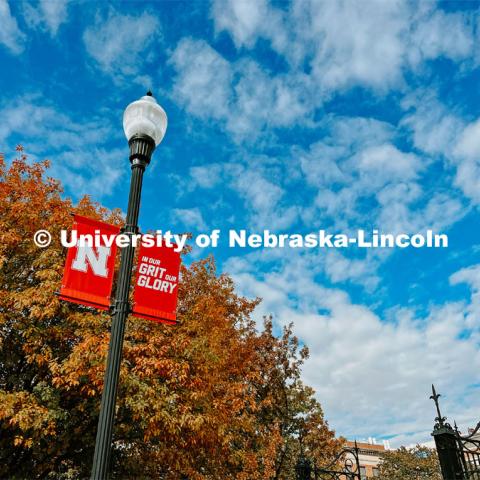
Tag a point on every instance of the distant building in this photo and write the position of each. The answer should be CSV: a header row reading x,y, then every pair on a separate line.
x,y
369,456
474,433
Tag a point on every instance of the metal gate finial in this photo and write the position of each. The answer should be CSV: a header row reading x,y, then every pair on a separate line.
x,y
440,419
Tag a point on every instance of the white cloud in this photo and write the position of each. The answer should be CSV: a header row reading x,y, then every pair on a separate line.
x,y
357,162
204,79
74,147
435,129
468,145
348,43
441,132
265,200
339,268
354,178
387,162
358,173
468,179
400,212
326,162
362,180
190,218
260,193
206,176
10,35
120,44
33,118
240,95
329,47
470,276
246,20
353,43
429,40
47,15
256,181
97,178
263,100
467,154
364,367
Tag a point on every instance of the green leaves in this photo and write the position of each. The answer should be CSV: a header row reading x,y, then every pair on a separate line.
x,y
410,464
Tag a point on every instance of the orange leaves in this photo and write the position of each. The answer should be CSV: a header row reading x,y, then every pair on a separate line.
x,y
22,412
83,370
211,398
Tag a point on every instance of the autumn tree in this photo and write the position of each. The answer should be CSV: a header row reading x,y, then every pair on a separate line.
x,y
288,403
418,463
211,398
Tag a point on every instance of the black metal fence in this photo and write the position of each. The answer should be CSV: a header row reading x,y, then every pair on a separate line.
x,y
459,455
345,466
469,446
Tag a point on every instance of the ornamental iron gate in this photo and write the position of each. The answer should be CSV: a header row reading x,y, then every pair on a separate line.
x,y
347,461
459,455
469,445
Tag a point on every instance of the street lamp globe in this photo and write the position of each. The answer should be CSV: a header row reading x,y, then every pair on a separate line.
x,y
145,117
145,124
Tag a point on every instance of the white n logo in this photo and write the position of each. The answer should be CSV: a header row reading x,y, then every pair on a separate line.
x,y
98,261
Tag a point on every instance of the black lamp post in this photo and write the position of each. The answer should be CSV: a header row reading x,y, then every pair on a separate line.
x,y
303,468
145,123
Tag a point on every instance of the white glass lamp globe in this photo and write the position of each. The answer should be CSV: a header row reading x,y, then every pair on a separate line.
x,y
145,117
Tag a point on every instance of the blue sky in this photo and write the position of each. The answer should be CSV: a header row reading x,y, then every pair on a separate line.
x,y
288,116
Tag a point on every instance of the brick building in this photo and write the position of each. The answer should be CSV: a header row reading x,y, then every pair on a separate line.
x,y
369,456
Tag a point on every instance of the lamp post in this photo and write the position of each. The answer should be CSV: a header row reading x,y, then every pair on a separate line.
x,y
145,123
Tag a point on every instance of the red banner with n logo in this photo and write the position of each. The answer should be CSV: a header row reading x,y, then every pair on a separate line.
x,y
89,268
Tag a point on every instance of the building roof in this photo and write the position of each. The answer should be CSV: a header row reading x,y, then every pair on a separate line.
x,y
364,446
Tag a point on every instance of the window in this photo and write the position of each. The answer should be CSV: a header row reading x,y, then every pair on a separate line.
x,y
363,473
376,472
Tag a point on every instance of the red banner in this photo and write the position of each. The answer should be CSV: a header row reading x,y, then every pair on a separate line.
x,y
89,268
156,284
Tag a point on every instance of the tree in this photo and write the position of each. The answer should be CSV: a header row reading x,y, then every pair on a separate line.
x,y
410,464
211,398
291,405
